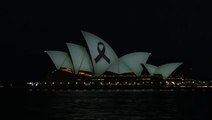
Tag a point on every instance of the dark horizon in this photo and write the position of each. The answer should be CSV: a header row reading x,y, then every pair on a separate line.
x,y
173,31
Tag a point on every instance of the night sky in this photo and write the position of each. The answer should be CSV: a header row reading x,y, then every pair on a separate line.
x,y
172,30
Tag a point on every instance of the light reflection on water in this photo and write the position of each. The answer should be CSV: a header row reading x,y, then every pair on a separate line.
x,y
115,104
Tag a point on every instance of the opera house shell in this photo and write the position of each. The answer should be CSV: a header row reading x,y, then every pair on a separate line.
x,y
102,58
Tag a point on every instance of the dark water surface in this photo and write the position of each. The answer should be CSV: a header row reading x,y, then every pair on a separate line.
x,y
106,105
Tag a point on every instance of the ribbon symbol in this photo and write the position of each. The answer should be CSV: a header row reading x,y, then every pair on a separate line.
x,y
101,53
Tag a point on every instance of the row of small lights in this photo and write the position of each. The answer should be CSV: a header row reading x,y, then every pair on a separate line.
x,y
87,84
118,83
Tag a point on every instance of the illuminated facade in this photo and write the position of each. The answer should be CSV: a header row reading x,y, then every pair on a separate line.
x,y
134,61
164,70
119,67
60,59
80,58
102,55
103,59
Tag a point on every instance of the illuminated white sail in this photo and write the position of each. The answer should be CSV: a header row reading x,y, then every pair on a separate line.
x,y
80,58
60,59
150,68
166,69
134,61
119,68
102,54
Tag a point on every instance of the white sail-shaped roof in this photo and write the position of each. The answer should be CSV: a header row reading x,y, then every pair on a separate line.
x,y
151,68
119,68
80,58
166,69
102,54
60,59
134,61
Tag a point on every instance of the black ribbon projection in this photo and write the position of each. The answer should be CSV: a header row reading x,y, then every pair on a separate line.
x,y
101,53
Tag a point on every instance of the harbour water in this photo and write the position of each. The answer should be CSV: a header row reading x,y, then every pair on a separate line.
x,y
142,104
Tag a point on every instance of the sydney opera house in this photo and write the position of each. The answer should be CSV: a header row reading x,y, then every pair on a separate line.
x,y
100,67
